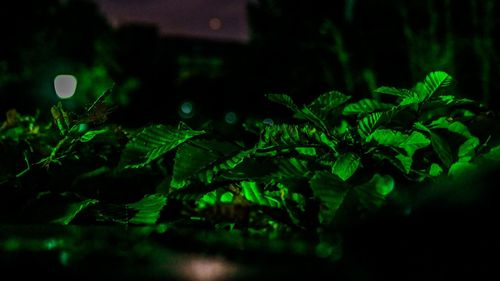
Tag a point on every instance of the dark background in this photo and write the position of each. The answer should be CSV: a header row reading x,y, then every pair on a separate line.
x,y
161,54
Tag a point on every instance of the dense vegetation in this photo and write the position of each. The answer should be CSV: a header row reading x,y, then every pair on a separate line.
x,y
340,161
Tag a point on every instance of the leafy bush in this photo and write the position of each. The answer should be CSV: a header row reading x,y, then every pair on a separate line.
x,y
339,161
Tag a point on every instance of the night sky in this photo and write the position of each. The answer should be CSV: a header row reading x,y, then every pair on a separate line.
x,y
211,19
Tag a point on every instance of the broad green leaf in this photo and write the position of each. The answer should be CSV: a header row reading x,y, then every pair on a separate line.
x,y
90,135
226,198
291,168
394,92
253,194
461,168
414,142
148,209
384,185
493,154
309,151
304,113
453,126
307,114
331,192
435,170
346,165
394,138
413,99
283,100
203,159
446,101
208,199
213,197
405,163
365,106
327,102
372,194
432,83
388,137
442,149
369,123
74,209
152,143
466,151
293,135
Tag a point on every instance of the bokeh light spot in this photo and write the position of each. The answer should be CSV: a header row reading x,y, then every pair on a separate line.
x,y
187,107
65,86
215,24
231,118
268,121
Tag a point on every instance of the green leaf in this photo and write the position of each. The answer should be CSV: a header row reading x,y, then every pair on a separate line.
x,y
414,142
372,194
90,135
446,101
304,113
388,137
394,138
435,170
493,154
74,209
331,192
452,126
405,163
346,165
369,123
442,149
283,100
394,92
208,199
61,118
152,143
293,135
148,209
413,99
214,197
291,168
253,194
202,160
366,106
466,151
432,83
461,168
327,102
308,151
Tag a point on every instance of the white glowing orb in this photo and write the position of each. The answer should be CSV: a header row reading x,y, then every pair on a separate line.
x,y
65,86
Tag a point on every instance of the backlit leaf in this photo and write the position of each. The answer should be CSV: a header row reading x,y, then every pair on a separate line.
x,y
331,192
152,143
148,209
442,149
283,100
435,170
432,83
466,151
73,209
252,193
365,106
90,135
372,194
394,92
327,102
346,165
